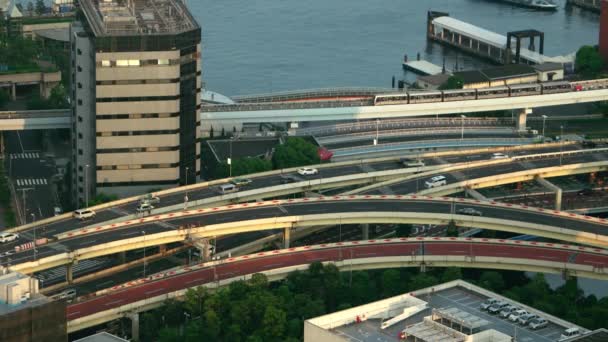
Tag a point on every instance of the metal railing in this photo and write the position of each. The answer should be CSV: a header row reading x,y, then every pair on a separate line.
x,y
311,93
412,133
35,114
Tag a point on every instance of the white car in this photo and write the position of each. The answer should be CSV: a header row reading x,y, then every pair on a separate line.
x,y
514,317
489,302
306,171
500,156
570,333
83,214
435,182
8,237
145,207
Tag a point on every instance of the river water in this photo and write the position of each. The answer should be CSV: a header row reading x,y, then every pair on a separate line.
x,y
264,45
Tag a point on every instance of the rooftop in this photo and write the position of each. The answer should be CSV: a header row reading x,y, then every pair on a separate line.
x,y
137,17
102,337
438,79
428,315
548,66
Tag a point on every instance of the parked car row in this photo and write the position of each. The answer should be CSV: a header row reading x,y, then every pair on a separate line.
x,y
520,316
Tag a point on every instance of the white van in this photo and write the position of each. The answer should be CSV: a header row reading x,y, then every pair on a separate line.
x,y
228,188
83,214
8,237
570,333
435,182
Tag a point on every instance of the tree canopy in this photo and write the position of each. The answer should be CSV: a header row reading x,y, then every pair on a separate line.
x,y
295,152
453,82
588,62
242,166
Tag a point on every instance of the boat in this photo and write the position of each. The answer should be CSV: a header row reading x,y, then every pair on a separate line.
x,y
545,5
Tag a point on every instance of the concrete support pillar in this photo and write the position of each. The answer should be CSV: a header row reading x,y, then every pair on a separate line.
x,y
134,326
522,118
552,187
13,92
69,273
365,231
286,237
475,194
162,249
122,257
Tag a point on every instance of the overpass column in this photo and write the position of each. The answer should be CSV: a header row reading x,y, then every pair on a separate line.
x,y
69,273
365,231
522,117
13,92
475,194
134,326
558,191
286,237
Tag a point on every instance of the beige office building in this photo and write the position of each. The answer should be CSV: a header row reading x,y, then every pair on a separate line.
x,y
136,97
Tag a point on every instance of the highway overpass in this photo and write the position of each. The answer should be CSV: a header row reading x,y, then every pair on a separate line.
x,y
143,294
35,119
234,115
184,226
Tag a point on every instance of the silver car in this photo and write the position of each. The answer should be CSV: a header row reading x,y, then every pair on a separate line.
x,y
538,323
506,312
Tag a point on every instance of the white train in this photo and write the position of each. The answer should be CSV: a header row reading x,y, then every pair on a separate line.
x,y
525,89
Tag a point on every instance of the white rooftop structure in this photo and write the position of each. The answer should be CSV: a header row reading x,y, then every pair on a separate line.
x,y
494,39
9,7
425,67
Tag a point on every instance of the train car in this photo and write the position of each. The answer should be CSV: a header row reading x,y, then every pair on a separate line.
x,y
425,97
556,87
524,89
459,95
492,93
390,99
590,84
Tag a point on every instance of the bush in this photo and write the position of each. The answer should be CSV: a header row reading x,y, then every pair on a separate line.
x,y
295,152
588,62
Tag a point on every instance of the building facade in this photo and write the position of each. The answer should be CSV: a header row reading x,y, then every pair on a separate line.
x,y
136,97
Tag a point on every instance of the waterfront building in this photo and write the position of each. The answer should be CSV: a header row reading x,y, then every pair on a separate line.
x,y
136,89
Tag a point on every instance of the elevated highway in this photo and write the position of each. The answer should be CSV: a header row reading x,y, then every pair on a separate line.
x,y
359,110
143,294
269,184
35,119
301,213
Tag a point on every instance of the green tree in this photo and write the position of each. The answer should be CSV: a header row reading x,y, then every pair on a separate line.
x,y
274,324
242,166
102,198
452,229
451,273
295,152
30,8
422,280
391,283
211,326
169,334
588,61
453,82
403,230
4,98
40,7
492,280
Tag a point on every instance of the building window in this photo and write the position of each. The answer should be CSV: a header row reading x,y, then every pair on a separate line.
x,y
80,190
80,168
79,68
79,135
80,179
78,51
106,64
80,151
79,85
79,118
134,62
122,63
79,102
163,62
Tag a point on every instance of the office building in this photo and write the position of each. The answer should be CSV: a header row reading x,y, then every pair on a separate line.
x,y
136,83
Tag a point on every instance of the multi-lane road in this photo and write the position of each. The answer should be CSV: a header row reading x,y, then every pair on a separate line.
x,y
160,284
338,208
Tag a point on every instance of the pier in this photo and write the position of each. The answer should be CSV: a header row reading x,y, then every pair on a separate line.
x,y
591,5
422,67
490,45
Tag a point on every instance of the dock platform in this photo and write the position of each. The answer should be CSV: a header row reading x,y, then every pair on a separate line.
x,y
422,67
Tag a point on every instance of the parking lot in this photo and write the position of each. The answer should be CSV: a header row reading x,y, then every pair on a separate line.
x,y
470,302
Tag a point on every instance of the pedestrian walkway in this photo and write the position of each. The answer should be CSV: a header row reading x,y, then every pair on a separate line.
x,y
28,155
31,181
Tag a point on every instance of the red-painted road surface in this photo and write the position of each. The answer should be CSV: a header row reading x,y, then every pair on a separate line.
x,y
334,252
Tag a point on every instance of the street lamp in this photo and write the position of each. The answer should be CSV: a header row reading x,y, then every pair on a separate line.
x,y
187,169
561,144
86,186
544,118
34,219
144,233
230,159
377,131
462,117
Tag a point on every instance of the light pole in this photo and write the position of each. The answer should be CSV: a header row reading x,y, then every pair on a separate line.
x,y
230,159
86,186
561,144
544,118
34,219
187,169
377,131
144,233
462,117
